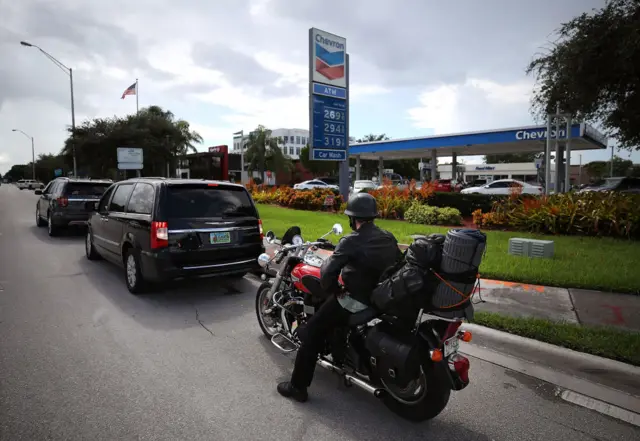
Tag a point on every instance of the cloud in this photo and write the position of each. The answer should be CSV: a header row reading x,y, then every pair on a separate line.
x,y
476,104
228,65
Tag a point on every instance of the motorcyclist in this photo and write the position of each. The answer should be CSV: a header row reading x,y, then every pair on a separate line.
x,y
361,257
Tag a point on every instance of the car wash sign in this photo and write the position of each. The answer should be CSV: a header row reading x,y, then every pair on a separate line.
x,y
328,97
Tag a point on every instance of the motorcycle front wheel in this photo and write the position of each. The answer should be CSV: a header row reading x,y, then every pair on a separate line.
x,y
420,400
269,321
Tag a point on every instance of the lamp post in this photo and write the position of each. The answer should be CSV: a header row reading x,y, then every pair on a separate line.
x,y
33,152
69,72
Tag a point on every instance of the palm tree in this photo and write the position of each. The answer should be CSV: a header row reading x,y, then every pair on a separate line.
x,y
262,153
372,138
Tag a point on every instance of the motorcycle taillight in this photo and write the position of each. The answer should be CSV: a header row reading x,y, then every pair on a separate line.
x,y
460,365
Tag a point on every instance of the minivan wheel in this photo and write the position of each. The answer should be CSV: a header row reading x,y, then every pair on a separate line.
x,y
133,272
51,229
39,221
89,249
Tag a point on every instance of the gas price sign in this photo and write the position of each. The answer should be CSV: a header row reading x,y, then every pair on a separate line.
x,y
330,140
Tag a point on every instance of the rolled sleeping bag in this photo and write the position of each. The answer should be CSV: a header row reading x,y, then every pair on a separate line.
x,y
462,254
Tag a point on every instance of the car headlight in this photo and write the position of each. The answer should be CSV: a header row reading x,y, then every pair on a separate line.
x,y
263,260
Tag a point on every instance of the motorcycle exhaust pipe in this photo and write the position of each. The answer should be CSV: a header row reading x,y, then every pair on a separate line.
x,y
375,391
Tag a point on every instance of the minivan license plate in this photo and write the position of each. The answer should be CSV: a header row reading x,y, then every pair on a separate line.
x,y
219,237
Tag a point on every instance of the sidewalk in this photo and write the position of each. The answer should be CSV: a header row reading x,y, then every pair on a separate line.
x,y
586,307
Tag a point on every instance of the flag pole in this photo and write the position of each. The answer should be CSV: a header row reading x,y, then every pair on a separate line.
x,y
137,107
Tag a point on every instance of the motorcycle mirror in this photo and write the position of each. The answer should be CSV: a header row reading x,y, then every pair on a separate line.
x,y
271,236
337,229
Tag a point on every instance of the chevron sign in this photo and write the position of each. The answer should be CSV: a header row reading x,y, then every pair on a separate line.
x,y
328,58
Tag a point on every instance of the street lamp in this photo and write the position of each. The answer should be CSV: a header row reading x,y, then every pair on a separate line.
x,y
33,152
69,72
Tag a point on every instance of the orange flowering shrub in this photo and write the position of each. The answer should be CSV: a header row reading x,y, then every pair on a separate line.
x,y
589,214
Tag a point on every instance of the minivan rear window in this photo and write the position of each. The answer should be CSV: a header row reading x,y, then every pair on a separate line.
x,y
203,201
93,189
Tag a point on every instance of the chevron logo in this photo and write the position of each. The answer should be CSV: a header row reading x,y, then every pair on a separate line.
x,y
329,64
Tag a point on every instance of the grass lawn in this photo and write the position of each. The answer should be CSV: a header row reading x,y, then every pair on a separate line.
x,y
580,262
602,341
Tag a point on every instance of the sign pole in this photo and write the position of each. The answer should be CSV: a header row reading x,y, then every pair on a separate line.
x,y
343,175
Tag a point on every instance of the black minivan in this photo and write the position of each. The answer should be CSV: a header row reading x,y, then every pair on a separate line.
x,y
160,229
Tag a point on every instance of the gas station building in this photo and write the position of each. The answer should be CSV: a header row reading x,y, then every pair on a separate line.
x,y
530,139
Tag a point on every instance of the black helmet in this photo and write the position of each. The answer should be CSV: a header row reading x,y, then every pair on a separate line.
x,y
362,206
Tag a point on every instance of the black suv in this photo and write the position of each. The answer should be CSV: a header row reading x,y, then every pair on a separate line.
x,y
67,201
160,229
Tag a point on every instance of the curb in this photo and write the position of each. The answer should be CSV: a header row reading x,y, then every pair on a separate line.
x,y
589,381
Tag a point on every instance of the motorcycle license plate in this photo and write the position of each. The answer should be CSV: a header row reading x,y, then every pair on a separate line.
x,y
451,346
221,237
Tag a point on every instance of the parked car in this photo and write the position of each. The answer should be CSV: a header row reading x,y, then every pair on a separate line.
x,y
29,184
503,187
359,186
160,229
314,183
330,180
447,185
67,201
621,184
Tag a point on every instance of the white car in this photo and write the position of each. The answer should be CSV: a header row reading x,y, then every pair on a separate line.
x,y
359,186
314,183
503,187
28,184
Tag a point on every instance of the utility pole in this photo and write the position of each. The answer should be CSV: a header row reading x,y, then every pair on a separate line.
x,y
580,171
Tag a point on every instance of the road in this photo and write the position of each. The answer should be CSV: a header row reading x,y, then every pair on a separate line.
x,y
81,358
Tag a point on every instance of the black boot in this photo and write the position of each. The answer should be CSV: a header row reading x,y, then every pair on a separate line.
x,y
286,389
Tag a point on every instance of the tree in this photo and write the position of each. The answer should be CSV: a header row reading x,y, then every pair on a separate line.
x,y
510,158
18,171
592,71
155,130
263,153
602,169
373,138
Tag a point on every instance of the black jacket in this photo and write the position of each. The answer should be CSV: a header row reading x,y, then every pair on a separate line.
x,y
362,257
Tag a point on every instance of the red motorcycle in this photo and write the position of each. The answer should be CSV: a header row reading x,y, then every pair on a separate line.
x,y
412,366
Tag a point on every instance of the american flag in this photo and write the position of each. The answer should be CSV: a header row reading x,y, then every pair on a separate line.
x,y
131,90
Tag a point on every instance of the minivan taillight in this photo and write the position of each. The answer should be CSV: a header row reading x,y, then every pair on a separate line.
x,y
63,202
159,235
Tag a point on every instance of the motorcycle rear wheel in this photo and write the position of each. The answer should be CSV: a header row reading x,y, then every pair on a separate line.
x,y
425,406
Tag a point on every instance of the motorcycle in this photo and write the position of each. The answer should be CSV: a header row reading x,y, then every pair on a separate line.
x,y
411,366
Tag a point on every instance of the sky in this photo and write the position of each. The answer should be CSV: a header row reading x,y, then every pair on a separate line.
x,y
418,67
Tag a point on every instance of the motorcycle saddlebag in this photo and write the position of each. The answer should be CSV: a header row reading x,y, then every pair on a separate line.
x,y
394,360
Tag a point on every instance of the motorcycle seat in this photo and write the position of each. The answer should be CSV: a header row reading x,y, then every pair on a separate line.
x,y
362,317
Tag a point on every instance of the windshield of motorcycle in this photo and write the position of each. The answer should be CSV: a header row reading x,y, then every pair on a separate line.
x,y
287,239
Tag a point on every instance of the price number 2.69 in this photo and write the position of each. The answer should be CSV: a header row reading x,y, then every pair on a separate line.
x,y
334,115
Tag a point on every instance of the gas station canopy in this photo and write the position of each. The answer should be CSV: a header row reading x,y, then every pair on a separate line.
x,y
492,142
